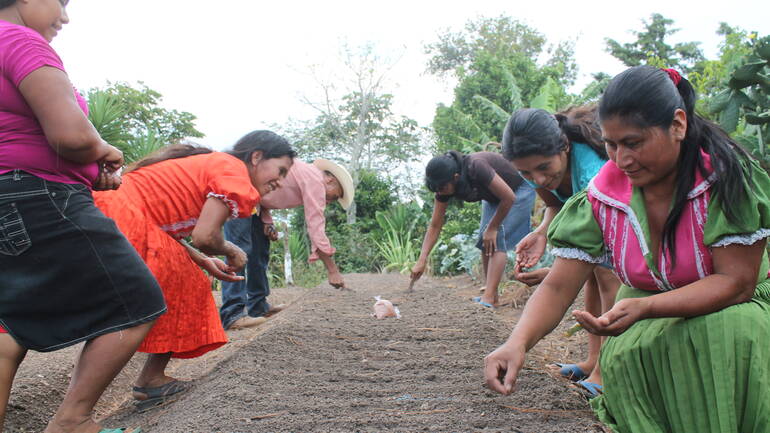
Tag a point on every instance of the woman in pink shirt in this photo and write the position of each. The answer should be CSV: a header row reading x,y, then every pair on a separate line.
x,y
68,275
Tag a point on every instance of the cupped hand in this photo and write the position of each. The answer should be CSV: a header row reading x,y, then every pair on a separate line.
x,y
236,258
489,240
617,320
502,366
530,278
219,269
530,249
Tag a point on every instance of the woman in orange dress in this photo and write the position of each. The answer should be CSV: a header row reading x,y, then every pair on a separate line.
x,y
190,191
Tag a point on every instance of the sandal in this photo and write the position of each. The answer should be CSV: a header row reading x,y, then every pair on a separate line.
x,y
571,371
477,299
159,395
589,389
119,430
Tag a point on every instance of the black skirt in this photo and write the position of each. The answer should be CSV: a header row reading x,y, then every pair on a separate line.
x,y
67,274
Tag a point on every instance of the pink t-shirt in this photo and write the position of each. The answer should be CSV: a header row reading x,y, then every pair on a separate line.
x,y
23,144
303,186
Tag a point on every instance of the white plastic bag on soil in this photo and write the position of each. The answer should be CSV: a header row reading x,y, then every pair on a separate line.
x,y
384,308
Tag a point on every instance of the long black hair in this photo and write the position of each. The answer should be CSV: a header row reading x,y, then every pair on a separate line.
x,y
269,143
6,3
172,151
532,131
647,97
442,169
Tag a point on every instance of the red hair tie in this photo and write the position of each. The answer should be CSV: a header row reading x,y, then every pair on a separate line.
x,y
673,74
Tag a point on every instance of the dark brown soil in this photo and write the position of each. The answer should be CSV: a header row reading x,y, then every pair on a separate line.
x,y
326,365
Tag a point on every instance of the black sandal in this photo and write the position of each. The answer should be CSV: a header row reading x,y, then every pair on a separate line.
x,y
160,395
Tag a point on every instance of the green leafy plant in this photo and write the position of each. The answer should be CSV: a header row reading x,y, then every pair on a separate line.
x,y
106,113
395,243
459,254
138,147
743,108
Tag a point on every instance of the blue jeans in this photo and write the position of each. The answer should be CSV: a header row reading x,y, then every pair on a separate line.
x,y
515,225
251,294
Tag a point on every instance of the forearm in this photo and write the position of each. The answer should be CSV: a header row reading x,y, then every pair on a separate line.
x,y
194,254
542,313
213,244
328,261
431,237
548,216
710,294
502,210
553,297
86,149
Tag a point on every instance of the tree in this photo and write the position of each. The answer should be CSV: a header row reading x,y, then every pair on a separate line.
x,y
498,64
133,120
499,37
358,128
501,65
651,48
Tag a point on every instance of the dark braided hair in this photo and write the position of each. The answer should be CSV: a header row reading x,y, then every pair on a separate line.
x,y
646,97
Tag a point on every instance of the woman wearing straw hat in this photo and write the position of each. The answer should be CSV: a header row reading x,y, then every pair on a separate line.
x,y
313,186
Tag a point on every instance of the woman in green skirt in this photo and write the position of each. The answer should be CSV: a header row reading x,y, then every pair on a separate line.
x,y
684,214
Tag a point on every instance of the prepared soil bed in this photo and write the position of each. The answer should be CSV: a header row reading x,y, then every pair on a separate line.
x,y
326,365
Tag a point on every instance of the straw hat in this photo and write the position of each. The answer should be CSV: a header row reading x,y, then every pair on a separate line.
x,y
344,178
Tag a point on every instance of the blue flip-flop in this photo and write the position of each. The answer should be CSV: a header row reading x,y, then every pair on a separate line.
x,y
590,389
571,371
477,299
119,430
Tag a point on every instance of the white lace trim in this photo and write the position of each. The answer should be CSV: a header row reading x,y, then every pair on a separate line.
x,y
230,203
626,209
576,253
747,239
630,217
701,187
178,226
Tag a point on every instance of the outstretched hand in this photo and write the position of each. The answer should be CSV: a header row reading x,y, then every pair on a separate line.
x,y
336,280
617,320
530,249
219,269
417,270
502,366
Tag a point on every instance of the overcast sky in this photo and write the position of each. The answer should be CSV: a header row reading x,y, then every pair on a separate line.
x,y
241,65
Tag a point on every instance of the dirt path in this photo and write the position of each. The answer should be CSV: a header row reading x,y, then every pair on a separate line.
x,y
325,365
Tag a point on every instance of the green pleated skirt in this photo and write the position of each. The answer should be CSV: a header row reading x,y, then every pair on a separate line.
x,y
706,374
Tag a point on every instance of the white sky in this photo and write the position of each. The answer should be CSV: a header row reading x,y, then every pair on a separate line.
x,y
241,65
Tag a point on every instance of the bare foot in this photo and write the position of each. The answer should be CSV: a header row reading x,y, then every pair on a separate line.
x,y
86,425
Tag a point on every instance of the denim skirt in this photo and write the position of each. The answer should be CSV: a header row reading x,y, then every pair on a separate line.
x,y
515,225
67,274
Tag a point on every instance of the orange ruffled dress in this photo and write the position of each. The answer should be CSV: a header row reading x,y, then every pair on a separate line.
x,y
156,206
